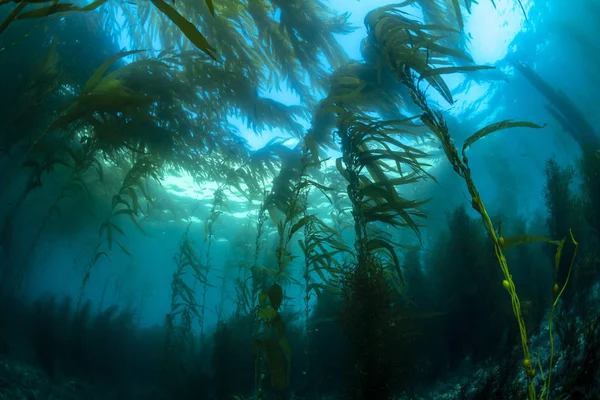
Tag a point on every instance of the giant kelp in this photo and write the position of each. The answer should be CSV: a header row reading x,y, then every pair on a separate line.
x,y
407,47
466,292
144,108
563,109
169,112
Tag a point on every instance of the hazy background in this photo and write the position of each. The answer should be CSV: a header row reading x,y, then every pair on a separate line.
x,y
508,166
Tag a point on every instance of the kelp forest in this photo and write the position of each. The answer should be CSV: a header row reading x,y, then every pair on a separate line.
x,y
412,224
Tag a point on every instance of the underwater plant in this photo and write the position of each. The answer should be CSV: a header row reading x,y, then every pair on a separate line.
x,y
83,159
125,202
271,342
589,167
407,48
367,281
170,112
218,202
322,246
564,215
465,283
179,348
563,109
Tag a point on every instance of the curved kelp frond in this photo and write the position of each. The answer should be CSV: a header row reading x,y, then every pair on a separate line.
x,y
376,149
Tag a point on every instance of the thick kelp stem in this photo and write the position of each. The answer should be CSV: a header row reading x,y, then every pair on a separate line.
x,y
563,109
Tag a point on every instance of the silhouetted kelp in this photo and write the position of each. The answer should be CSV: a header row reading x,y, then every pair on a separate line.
x,y
373,329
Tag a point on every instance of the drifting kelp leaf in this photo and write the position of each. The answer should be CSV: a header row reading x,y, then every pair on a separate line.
x,y
58,8
117,228
106,226
506,124
340,167
273,272
130,213
98,255
376,244
513,241
12,16
275,296
99,73
441,87
454,70
458,12
211,7
268,314
123,249
301,222
312,145
405,180
188,29
262,297
324,189
135,205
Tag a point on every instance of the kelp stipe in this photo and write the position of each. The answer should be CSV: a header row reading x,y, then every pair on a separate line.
x,y
557,292
271,342
435,122
408,56
366,281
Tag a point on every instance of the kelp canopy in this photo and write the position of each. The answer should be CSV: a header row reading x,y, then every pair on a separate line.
x,y
173,104
170,103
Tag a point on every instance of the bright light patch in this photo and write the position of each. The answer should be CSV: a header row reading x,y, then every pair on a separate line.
x,y
493,29
184,186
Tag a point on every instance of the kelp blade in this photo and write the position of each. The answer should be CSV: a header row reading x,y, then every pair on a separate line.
x,y
188,29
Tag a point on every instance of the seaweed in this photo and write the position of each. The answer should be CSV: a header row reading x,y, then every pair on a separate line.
x,y
124,202
322,246
82,159
563,109
403,50
179,348
271,344
366,284
215,212
468,295
589,170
